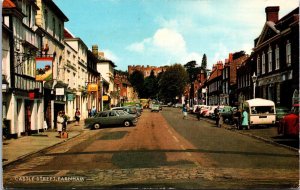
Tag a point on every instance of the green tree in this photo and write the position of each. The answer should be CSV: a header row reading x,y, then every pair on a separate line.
x,y
193,72
137,81
204,62
173,82
150,86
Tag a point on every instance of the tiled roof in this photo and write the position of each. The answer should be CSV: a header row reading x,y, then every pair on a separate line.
x,y
67,34
8,4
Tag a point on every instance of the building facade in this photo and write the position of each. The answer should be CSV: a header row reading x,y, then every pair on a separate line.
x,y
276,53
22,96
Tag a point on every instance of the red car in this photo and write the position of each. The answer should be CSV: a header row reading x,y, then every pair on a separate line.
x,y
289,125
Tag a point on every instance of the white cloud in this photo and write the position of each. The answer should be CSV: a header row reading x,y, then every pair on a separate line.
x,y
170,41
110,55
139,46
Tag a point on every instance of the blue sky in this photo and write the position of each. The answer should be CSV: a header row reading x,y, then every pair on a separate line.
x,y
163,32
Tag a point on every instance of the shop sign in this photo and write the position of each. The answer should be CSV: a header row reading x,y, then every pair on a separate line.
x,y
105,98
59,91
92,88
70,97
44,68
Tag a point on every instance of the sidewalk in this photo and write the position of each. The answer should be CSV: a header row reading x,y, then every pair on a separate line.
x,y
15,149
268,134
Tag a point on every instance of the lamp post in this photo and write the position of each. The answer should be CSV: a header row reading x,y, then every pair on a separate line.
x,y
101,93
205,95
254,79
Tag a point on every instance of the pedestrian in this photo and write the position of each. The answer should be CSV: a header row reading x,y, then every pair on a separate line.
x,y
64,127
238,116
217,116
59,122
77,116
89,113
198,112
93,112
245,121
184,111
221,120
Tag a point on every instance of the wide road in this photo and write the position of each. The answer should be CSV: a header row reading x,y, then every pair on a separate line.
x,y
163,150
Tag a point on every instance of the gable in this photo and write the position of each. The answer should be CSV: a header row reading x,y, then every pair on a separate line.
x,y
268,32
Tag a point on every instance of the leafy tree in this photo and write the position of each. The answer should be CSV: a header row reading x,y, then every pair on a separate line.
x,y
172,82
137,81
204,61
193,72
150,86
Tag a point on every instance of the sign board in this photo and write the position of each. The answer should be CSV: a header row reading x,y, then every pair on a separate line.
x,y
105,98
44,69
59,91
70,97
92,87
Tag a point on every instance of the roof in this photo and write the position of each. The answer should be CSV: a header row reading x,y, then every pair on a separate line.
x,y
8,4
260,102
108,61
56,9
68,34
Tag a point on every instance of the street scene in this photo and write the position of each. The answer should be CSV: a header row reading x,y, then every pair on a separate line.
x,y
162,150
158,94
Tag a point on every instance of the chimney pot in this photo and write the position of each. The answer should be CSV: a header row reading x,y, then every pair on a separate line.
x,y
272,13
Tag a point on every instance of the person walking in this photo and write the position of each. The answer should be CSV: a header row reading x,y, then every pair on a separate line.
x,y
64,127
93,112
245,121
184,111
59,122
217,116
198,112
77,116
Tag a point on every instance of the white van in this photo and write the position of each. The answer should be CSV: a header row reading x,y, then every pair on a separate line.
x,y
261,111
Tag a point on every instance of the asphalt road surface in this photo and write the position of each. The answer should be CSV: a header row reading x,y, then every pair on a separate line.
x,y
163,150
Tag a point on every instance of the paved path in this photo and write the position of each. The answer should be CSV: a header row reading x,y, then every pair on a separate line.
x,y
15,149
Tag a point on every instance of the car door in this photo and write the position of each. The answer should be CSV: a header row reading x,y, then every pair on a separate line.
x,y
104,119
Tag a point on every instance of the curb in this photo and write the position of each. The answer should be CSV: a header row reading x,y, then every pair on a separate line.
x,y
37,151
254,136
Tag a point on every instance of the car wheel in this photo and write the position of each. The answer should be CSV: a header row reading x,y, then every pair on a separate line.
x,y
96,126
127,123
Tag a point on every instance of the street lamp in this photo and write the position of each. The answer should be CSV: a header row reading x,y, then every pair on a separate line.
x,y
254,79
101,88
206,95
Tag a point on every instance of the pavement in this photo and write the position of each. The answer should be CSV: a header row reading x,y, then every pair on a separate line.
x,y
266,134
16,149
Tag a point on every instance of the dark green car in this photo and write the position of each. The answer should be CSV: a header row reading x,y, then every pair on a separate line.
x,y
281,112
110,118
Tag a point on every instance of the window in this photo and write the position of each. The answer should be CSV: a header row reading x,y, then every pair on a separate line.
x,y
263,63
277,64
258,65
270,59
28,12
54,24
46,19
59,32
288,53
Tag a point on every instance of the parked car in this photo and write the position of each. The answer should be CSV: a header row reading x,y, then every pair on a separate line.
x,y
281,112
227,114
289,124
178,105
129,109
110,118
155,107
204,109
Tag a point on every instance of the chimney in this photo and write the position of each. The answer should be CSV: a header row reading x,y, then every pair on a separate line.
x,y
95,50
272,13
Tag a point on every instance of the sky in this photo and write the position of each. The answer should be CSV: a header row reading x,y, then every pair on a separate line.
x,y
165,32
